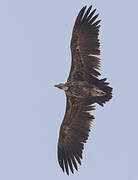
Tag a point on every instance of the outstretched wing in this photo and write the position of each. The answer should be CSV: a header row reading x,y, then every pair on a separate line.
x,y
85,45
73,134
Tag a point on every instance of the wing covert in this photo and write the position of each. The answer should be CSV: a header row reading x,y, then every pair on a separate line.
x,y
73,134
85,45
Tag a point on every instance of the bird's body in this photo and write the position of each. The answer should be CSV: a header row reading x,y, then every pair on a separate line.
x,y
83,88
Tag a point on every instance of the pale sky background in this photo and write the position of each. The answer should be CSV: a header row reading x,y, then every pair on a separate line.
x,y
34,55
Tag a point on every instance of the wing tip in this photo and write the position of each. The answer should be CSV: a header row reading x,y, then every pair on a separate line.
x,y
80,14
86,17
68,163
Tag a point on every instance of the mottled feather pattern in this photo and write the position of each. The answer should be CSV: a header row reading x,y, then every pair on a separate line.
x,y
75,128
85,42
70,147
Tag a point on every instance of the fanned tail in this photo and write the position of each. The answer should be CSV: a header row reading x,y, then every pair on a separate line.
x,y
104,86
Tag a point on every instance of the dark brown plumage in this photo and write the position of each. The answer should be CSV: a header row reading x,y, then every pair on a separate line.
x,y
82,89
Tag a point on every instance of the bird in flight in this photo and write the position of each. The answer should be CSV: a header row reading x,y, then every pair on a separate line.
x,y
82,90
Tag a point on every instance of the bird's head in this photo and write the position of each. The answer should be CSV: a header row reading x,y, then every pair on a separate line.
x,y
62,86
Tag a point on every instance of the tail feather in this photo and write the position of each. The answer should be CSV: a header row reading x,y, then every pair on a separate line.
x,y
104,86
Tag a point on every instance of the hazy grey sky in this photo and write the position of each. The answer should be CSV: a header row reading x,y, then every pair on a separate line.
x,y
35,55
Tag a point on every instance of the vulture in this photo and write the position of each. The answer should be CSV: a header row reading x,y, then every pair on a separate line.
x,y
83,88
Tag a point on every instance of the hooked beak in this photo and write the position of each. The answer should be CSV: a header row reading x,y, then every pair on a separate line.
x,y
57,86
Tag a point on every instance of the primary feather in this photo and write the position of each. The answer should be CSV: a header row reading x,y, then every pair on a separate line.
x,y
82,89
